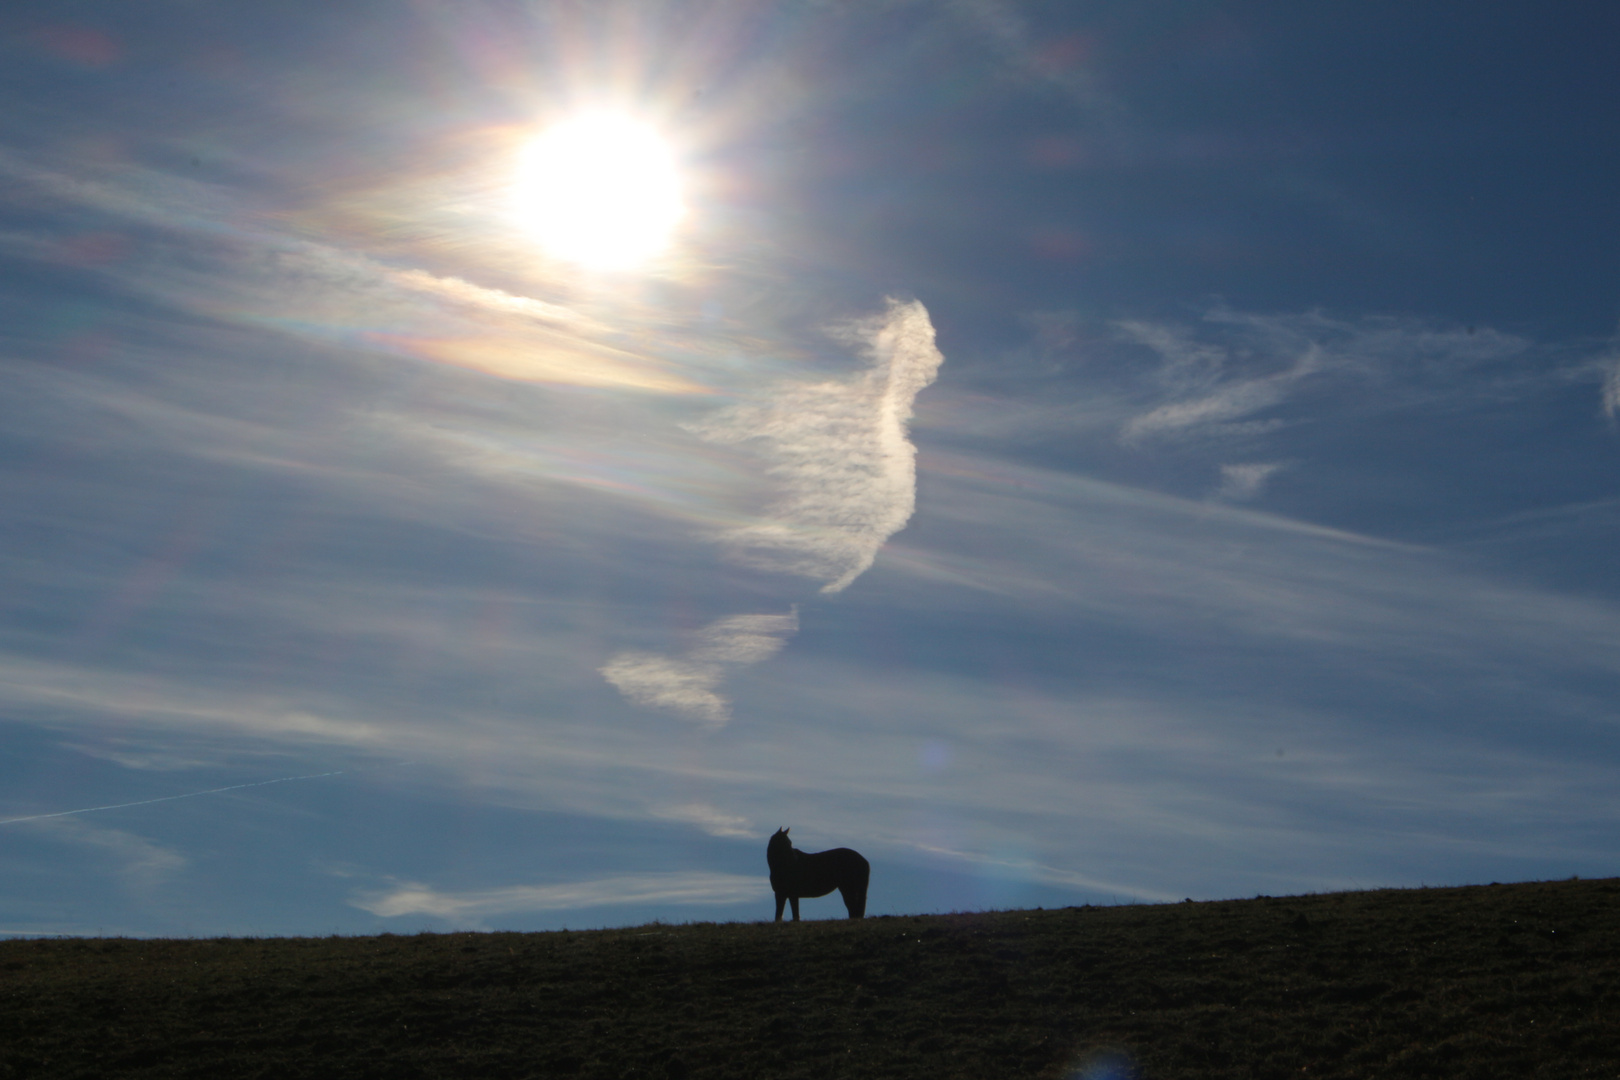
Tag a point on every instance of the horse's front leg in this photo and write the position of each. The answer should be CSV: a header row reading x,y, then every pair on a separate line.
x,y
795,901
780,900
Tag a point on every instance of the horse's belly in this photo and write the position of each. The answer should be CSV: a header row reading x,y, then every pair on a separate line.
x,y
810,892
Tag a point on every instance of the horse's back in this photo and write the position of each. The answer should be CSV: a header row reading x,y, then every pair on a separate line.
x,y
847,859
817,873
851,858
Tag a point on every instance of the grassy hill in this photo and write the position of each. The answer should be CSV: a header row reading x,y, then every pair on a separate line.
x,y
1499,980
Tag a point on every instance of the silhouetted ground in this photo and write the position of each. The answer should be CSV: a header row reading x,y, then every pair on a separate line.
x,y
1485,981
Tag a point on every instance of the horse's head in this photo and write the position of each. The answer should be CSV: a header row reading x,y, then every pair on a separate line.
x,y
777,850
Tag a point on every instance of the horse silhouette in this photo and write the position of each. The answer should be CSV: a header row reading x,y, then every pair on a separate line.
x,y
796,874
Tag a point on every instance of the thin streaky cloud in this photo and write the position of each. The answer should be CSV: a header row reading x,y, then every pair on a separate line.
x,y
1211,415
1185,363
248,270
142,866
155,760
1214,382
662,888
477,296
711,820
1319,583
166,798
1215,379
86,691
1215,410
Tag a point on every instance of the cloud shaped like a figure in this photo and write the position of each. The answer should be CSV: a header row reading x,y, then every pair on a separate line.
x,y
840,451
848,476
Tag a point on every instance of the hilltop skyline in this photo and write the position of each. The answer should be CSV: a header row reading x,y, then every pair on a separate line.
x,y
1069,453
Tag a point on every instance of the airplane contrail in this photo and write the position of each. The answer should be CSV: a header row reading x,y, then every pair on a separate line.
x,y
168,798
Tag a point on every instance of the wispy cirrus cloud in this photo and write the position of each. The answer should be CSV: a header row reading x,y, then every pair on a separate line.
x,y
1240,483
1210,398
76,689
713,821
157,760
1055,64
479,298
1233,375
1221,377
1217,413
141,865
248,269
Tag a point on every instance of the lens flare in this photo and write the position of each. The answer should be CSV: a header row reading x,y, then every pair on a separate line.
x,y
601,190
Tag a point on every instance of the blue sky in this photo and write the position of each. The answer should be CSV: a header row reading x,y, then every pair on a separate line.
x,y
1070,452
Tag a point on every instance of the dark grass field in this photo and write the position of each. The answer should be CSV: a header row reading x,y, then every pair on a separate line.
x,y
1485,981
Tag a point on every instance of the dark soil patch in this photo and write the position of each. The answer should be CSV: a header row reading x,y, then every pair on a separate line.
x,y
1506,980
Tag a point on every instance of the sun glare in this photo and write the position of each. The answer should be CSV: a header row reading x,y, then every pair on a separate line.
x,y
600,190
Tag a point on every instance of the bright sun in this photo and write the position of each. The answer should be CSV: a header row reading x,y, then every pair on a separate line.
x,y
600,190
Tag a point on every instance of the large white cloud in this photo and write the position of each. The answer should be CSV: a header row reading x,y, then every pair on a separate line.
x,y
839,451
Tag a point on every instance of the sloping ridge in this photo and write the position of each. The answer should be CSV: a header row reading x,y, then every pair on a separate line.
x,y
1502,980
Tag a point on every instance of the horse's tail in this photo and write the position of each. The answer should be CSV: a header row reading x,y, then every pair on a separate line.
x,y
854,892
